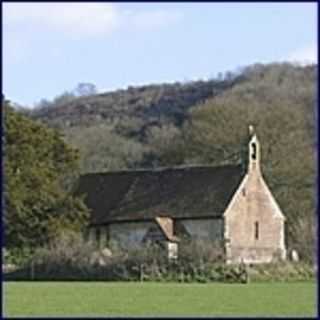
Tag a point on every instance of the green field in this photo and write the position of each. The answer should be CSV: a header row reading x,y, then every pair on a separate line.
x,y
158,299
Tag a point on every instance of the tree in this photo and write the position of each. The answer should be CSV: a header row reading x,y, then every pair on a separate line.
x,y
103,150
64,97
85,89
39,173
43,103
165,144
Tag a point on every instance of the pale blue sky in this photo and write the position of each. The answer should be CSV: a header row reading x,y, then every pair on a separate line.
x,y
49,48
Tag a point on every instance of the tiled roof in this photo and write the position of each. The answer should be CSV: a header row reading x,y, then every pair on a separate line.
x,y
170,192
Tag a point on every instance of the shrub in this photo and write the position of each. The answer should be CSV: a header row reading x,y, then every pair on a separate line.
x,y
17,256
282,271
69,257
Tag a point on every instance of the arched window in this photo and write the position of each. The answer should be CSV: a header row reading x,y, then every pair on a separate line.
x,y
254,151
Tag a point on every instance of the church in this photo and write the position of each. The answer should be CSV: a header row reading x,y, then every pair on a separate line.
x,y
226,205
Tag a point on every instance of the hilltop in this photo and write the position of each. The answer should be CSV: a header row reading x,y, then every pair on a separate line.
x,y
145,105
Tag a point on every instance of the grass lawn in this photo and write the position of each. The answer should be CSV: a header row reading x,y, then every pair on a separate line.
x,y
158,299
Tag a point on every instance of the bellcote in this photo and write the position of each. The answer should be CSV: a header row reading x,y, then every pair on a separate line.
x,y
254,151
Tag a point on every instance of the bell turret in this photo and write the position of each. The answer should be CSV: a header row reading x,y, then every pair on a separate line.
x,y
254,151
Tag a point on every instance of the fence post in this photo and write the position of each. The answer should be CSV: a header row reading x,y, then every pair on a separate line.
x,y
141,271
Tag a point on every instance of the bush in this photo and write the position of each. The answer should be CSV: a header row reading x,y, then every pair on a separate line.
x,y
284,271
17,256
69,257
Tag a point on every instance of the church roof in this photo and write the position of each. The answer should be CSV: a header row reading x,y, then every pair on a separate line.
x,y
181,192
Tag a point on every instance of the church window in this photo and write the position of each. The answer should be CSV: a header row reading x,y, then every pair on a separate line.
x,y
256,230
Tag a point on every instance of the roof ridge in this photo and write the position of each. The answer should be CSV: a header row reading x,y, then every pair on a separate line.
x,y
159,169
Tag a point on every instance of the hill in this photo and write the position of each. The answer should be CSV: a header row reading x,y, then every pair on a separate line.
x,y
136,127
112,130
143,106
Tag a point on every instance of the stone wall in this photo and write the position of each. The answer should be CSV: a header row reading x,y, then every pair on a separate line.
x,y
254,225
130,234
203,229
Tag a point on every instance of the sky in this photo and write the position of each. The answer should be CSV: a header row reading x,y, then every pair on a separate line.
x,y
48,48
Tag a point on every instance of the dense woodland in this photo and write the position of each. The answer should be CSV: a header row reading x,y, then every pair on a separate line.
x,y
202,122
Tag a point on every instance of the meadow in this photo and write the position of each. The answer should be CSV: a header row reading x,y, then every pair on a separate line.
x,y
158,299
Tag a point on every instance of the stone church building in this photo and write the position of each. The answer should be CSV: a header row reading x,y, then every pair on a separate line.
x,y
227,205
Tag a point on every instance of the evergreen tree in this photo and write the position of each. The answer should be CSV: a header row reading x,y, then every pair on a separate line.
x,y
39,171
